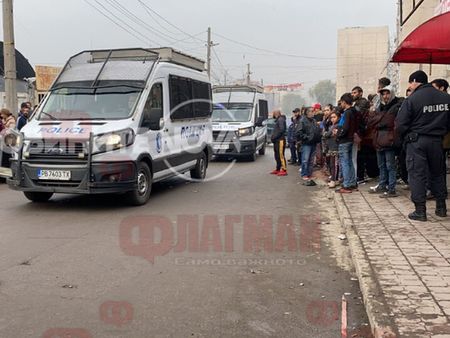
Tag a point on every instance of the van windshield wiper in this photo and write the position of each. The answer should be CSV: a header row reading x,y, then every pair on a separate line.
x,y
49,115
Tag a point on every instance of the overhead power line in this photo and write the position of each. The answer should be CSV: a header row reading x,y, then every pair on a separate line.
x,y
138,21
189,38
131,30
170,32
158,23
272,51
114,22
148,8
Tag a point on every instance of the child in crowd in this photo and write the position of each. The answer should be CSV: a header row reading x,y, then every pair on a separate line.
x,y
332,148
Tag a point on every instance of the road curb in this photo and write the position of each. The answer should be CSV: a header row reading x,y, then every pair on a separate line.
x,y
374,302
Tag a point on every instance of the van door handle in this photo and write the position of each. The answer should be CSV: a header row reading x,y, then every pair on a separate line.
x,y
166,130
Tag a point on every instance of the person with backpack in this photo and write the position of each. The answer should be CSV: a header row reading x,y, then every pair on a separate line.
x,y
309,134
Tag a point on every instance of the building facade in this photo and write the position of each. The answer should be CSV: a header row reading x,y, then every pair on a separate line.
x,y
25,92
362,58
424,12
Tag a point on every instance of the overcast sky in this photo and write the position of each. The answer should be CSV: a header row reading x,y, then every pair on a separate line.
x,y
49,31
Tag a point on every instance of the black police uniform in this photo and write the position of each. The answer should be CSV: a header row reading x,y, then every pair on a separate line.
x,y
422,122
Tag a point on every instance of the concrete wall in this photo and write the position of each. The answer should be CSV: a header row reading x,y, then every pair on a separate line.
x,y
362,58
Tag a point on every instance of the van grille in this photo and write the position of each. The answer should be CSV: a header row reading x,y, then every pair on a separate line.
x,y
57,149
224,136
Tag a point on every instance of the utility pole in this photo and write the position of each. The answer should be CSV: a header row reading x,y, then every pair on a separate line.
x,y
248,74
210,45
9,55
208,53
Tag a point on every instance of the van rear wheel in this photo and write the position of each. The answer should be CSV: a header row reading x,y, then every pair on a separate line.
x,y
38,197
141,194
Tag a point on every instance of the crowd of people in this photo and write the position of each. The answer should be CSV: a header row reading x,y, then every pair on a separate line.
x,y
8,121
385,137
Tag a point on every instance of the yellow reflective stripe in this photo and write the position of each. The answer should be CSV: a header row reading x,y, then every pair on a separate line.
x,y
283,160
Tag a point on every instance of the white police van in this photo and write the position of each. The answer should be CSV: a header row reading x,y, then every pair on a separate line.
x,y
116,121
238,121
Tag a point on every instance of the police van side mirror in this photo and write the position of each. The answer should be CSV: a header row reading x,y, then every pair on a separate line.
x,y
153,120
260,121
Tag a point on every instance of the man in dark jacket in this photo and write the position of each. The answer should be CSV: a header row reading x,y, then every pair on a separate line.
x,y
347,128
292,140
278,139
22,119
367,156
384,142
422,121
309,135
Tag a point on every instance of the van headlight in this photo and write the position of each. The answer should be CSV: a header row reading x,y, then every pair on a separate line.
x,y
113,141
245,131
13,140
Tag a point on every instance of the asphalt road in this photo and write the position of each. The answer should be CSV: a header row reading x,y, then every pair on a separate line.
x,y
93,267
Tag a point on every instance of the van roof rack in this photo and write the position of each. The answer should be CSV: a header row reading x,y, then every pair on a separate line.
x,y
165,54
98,62
239,88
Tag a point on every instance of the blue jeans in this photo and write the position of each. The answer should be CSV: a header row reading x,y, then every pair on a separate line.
x,y
346,161
308,152
388,170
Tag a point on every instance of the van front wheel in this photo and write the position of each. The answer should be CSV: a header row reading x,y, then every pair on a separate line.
x,y
199,172
38,197
262,151
141,194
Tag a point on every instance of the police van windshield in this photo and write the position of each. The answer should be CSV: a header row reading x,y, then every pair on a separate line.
x,y
232,112
108,103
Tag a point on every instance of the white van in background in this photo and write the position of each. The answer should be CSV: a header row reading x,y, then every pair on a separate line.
x,y
238,116
116,121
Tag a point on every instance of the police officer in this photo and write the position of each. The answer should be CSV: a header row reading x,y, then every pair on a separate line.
x,y
422,122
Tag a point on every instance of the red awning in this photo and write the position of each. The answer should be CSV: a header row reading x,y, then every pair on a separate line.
x,y
429,43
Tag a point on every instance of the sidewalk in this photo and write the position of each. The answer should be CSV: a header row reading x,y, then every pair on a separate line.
x,y
403,266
